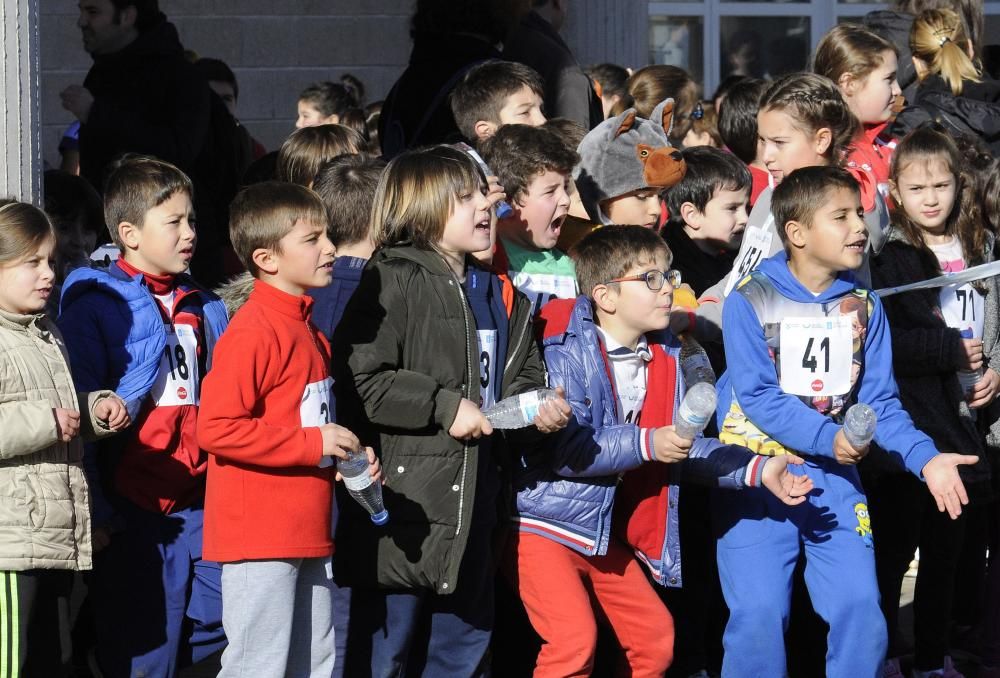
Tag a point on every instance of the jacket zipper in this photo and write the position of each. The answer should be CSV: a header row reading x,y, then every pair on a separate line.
x,y
517,346
468,379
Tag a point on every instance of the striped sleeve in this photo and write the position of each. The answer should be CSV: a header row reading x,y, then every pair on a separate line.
x,y
755,471
646,443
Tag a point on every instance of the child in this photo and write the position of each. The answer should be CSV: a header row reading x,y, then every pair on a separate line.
x,y
609,84
533,166
40,416
266,423
738,130
624,163
306,149
651,85
493,94
704,129
146,329
346,185
608,348
936,365
864,67
708,211
323,103
804,342
425,340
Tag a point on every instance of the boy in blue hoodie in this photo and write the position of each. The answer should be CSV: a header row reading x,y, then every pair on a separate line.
x,y
803,342
577,525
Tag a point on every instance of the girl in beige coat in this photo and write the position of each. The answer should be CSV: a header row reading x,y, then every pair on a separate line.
x,y
44,500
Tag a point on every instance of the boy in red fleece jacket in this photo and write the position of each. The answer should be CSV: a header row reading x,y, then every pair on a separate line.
x,y
266,424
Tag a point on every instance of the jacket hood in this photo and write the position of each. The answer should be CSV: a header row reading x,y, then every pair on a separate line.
x,y
776,269
428,259
235,292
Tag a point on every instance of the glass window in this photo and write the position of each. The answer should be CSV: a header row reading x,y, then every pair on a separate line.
x,y
678,41
764,47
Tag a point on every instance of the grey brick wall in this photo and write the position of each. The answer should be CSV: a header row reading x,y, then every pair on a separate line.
x,y
275,47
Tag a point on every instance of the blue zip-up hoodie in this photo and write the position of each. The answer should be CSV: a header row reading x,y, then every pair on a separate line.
x,y
752,378
115,337
567,492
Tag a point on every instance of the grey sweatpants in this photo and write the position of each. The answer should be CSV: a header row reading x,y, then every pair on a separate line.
x,y
278,617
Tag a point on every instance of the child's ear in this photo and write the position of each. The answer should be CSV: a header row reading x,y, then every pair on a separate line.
x,y
485,129
691,215
795,233
265,260
822,140
604,298
847,84
894,192
130,234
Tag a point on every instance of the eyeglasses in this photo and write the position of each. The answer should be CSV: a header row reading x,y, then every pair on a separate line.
x,y
654,279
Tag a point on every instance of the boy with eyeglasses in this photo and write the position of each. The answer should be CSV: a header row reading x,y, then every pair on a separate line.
x,y
576,526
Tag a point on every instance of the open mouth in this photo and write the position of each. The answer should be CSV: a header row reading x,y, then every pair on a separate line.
x,y
44,292
557,223
483,225
858,245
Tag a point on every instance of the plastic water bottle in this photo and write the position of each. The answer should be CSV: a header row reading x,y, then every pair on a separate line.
x,y
366,490
859,425
696,409
518,411
695,365
968,378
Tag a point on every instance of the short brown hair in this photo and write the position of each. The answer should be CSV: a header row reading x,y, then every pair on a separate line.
x,y
519,153
306,149
23,228
416,193
484,91
347,187
262,214
609,252
137,184
850,49
804,192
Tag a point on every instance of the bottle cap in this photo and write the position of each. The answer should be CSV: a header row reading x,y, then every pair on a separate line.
x,y
381,518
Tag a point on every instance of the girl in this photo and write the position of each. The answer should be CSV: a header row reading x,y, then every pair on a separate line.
x,y
864,67
45,512
306,149
650,85
426,339
325,103
952,88
944,343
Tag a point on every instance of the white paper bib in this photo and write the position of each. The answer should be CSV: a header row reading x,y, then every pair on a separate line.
x,y
816,355
177,377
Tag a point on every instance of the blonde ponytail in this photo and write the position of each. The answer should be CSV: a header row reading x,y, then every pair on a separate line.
x,y
939,39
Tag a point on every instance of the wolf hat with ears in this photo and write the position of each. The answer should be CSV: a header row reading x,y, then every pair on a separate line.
x,y
624,154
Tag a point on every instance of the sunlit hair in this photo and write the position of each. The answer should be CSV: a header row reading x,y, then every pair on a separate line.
x,y
850,49
417,192
23,229
306,149
939,39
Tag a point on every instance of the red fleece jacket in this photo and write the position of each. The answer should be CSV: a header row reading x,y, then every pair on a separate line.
x,y
267,497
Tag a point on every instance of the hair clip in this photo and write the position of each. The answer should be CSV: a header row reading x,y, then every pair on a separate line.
x,y
699,112
943,40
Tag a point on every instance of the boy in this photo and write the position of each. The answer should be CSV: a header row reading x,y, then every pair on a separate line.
x,y
624,164
805,341
566,552
493,94
266,425
533,166
738,129
708,210
346,185
145,329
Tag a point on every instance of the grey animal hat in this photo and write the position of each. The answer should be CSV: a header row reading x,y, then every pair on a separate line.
x,y
624,154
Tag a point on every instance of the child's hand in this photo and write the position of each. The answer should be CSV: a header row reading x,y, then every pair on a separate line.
x,y
374,467
941,475
669,447
469,423
67,423
112,411
554,414
338,441
985,391
844,452
789,487
495,192
972,355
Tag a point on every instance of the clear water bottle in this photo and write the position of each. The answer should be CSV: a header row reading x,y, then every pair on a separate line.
x,y
696,409
968,378
366,490
519,410
695,365
859,425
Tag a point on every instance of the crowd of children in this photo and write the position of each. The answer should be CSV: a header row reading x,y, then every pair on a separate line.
x,y
181,445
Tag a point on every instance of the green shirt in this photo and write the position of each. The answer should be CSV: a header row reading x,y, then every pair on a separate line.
x,y
541,275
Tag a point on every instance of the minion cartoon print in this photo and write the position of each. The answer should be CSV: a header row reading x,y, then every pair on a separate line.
x,y
864,528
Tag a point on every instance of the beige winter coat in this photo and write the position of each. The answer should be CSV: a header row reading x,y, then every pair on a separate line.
x,y
44,499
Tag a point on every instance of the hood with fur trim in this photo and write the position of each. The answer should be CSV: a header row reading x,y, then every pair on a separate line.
x,y
624,154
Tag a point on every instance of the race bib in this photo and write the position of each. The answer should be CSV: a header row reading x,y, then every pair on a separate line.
x,y
816,355
963,307
177,378
756,246
541,287
487,367
315,409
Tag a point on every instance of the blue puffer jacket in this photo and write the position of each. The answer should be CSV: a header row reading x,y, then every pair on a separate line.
x,y
567,493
